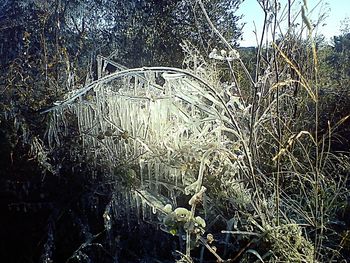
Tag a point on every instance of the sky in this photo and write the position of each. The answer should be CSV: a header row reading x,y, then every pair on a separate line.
x,y
336,10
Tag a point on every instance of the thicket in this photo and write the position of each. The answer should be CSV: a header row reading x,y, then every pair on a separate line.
x,y
220,154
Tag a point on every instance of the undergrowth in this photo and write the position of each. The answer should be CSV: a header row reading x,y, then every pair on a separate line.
x,y
223,155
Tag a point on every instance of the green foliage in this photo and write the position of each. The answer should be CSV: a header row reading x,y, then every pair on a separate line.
x,y
334,94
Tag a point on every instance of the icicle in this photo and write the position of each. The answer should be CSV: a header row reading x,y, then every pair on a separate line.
x,y
142,165
156,175
168,155
143,207
176,177
137,198
149,171
53,131
107,217
154,210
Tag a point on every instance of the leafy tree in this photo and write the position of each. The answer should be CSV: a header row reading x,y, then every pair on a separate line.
x,y
148,32
334,80
339,59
